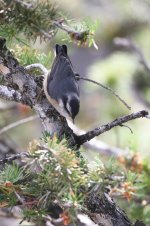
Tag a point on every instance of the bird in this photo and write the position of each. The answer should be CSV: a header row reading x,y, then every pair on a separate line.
x,y
61,86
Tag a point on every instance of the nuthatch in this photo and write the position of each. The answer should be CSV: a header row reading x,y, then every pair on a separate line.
x,y
61,87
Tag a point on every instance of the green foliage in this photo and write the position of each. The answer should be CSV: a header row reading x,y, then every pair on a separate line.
x,y
11,173
91,26
56,175
60,173
137,187
35,215
27,55
82,33
12,199
27,18
41,19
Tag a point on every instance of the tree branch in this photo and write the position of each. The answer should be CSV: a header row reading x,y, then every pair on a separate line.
x,y
99,146
117,122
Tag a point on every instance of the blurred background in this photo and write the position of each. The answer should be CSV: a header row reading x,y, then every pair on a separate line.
x,y
109,65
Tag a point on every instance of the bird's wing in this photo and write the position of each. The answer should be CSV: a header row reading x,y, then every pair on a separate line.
x,y
62,79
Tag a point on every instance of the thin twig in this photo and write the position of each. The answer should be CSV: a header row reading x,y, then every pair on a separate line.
x,y
127,127
117,122
105,87
17,123
131,46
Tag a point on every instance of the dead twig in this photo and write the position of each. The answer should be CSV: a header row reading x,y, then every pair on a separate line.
x,y
105,87
127,127
117,122
99,146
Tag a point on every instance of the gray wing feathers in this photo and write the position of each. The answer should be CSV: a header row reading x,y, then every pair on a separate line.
x,y
62,77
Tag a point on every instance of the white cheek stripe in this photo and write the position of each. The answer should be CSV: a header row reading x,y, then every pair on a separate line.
x,y
62,111
68,107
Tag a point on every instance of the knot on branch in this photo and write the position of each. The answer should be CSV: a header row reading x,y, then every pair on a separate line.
x,y
144,113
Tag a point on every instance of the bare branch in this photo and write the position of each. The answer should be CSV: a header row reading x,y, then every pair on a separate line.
x,y
18,123
131,46
99,146
117,122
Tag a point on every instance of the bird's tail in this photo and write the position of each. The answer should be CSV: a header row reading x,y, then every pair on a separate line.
x,y
62,50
